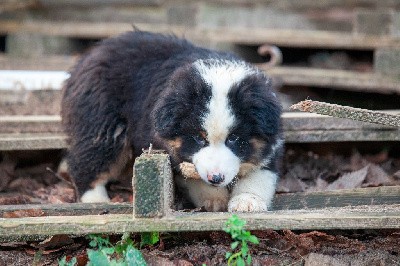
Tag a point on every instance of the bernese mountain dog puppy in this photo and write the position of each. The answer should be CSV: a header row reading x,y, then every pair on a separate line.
x,y
205,107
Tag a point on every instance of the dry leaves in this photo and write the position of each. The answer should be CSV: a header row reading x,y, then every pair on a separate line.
x,y
311,172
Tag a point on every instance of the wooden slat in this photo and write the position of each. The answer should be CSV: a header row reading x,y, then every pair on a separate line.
x,y
48,63
293,76
34,132
41,141
68,209
331,78
338,198
250,36
371,217
286,201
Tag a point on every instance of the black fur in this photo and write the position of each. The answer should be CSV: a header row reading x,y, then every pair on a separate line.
x,y
141,88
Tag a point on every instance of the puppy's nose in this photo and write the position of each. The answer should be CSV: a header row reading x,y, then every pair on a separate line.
x,y
215,178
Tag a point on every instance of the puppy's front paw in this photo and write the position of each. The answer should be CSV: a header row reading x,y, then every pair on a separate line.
x,y
216,205
247,202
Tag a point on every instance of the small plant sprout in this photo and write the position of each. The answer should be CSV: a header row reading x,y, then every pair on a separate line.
x,y
240,250
103,252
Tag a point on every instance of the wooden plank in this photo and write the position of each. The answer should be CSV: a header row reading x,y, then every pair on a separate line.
x,y
30,124
68,209
286,201
343,79
48,63
42,141
337,198
250,36
293,76
370,217
34,132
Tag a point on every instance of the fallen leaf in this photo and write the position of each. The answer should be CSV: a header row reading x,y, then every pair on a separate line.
x,y
290,184
377,176
350,180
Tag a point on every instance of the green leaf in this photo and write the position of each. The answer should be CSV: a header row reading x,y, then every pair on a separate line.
x,y
234,244
64,262
244,249
149,238
227,255
108,251
97,258
248,260
240,262
133,257
253,239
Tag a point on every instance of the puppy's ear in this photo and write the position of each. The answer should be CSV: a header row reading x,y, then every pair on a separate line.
x,y
166,116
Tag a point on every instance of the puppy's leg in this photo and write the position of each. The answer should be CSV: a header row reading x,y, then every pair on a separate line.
x,y
254,192
95,159
202,194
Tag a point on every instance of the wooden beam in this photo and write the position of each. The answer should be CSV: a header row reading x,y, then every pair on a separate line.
x,y
250,36
34,132
337,198
293,76
331,78
41,141
371,217
286,201
47,63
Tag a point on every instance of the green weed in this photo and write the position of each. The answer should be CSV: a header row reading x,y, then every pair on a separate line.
x,y
240,249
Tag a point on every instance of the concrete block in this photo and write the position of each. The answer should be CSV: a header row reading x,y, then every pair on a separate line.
x,y
152,185
387,61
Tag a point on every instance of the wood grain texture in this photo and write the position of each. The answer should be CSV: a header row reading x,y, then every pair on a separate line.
x,y
371,217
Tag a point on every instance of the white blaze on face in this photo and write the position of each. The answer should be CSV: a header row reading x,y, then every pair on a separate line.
x,y
216,158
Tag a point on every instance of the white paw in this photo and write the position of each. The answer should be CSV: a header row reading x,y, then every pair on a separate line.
x,y
97,194
216,205
247,202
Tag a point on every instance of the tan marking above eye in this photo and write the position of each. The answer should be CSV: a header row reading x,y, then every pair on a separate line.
x,y
175,143
257,144
203,134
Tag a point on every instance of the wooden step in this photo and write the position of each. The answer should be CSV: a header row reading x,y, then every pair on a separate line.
x,y
45,132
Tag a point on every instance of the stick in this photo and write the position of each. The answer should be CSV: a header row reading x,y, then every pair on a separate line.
x,y
348,112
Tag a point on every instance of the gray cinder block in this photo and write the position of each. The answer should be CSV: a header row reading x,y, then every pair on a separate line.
x,y
152,185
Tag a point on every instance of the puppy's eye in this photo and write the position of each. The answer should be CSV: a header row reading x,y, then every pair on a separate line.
x,y
200,140
232,139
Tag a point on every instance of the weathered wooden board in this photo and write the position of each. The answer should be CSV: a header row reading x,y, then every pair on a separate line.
x,y
31,141
331,78
251,36
67,209
34,132
338,198
287,201
47,63
371,217
293,76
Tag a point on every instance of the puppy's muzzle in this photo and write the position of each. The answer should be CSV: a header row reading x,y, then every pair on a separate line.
x,y
215,178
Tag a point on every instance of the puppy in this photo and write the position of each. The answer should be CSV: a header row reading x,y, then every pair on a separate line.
x,y
205,107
